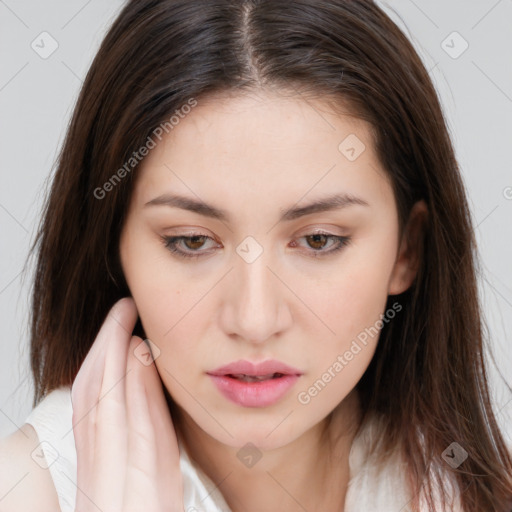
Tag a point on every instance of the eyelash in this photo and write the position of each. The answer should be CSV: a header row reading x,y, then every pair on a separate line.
x,y
171,242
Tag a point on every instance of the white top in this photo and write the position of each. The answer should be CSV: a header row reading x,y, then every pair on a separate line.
x,y
368,489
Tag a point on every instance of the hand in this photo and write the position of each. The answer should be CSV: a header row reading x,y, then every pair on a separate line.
x,y
127,451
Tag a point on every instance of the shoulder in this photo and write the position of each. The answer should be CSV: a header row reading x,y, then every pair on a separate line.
x,y
24,483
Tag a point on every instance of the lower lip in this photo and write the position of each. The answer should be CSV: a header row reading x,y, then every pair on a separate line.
x,y
254,394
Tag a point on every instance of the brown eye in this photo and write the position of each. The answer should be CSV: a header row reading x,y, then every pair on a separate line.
x,y
196,242
186,246
317,241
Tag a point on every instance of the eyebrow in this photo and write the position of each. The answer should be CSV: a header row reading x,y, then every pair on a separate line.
x,y
329,203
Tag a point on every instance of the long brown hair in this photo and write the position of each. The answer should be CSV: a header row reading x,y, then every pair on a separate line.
x,y
428,376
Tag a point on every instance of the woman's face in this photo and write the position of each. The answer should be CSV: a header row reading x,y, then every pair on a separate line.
x,y
266,277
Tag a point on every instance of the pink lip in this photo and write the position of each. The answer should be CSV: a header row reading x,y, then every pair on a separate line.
x,y
248,368
254,394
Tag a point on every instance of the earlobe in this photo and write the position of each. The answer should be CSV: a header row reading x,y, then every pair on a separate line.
x,y
411,250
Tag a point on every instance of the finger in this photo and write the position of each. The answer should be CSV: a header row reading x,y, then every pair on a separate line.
x,y
141,489
168,456
99,410
89,378
143,441
116,313
85,393
111,441
166,462
115,334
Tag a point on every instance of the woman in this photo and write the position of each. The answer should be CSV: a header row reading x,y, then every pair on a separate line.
x,y
266,193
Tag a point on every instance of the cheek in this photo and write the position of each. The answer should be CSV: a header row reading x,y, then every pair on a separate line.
x,y
156,286
174,312
170,322
350,303
339,360
350,300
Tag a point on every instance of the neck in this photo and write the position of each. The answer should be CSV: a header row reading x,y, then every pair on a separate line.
x,y
310,473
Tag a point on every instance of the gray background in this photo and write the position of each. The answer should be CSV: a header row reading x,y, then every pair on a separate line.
x,y
37,96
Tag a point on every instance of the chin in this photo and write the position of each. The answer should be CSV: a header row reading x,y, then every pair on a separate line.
x,y
266,430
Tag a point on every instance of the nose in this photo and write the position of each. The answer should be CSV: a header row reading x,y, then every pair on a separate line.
x,y
256,309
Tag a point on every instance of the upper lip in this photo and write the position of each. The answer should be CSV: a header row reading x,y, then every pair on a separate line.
x,y
243,367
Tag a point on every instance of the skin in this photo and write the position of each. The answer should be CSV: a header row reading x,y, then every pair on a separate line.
x,y
254,155
127,452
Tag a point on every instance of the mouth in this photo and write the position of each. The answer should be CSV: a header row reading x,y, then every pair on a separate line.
x,y
254,378
250,384
264,370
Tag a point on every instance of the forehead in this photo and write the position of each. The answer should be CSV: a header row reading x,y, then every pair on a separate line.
x,y
267,144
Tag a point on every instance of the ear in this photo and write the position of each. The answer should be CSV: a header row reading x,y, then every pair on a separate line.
x,y
410,251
